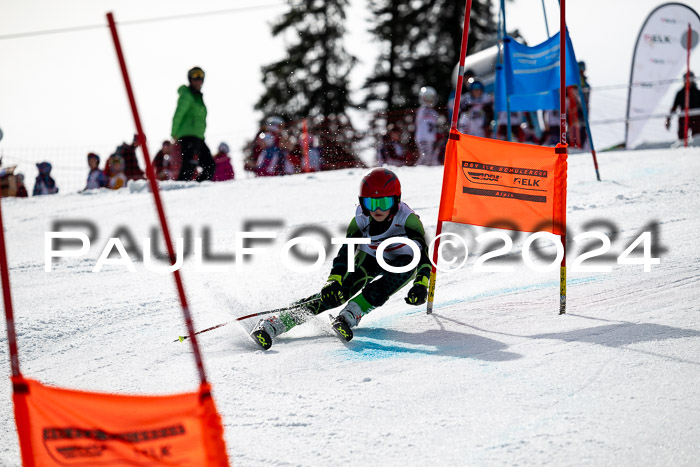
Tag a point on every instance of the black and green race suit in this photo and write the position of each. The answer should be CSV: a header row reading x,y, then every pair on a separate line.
x,y
368,277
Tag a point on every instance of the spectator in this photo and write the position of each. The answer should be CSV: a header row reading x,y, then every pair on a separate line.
x,y
693,104
313,147
476,112
21,189
532,128
585,86
392,152
117,178
224,169
517,122
469,78
576,124
315,152
253,149
127,152
426,127
96,178
189,125
44,184
164,163
552,128
272,159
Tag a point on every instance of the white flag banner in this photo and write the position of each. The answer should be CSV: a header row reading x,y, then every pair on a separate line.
x,y
659,59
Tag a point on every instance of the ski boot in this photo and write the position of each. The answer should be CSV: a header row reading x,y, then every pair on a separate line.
x,y
342,328
351,316
266,330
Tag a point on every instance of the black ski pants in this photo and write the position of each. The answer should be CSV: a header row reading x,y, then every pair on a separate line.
x,y
190,147
376,285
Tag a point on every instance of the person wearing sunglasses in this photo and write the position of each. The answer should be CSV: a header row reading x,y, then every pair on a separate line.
x,y
189,124
380,215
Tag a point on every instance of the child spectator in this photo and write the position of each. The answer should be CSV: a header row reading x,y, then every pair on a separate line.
x,y
517,133
313,146
476,112
163,162
21,189
253,150
224,169
272,159
130,164
552,128
469,78
96,178
585,86
44,184
117,177
426,126
391,152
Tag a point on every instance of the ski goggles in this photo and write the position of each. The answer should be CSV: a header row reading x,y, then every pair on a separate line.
x,y
372,204
197,74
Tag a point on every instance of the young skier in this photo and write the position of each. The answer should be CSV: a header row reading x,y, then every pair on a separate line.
x,y
380,215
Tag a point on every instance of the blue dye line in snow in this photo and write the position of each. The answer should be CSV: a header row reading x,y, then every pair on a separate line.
x,y
377,345
520,288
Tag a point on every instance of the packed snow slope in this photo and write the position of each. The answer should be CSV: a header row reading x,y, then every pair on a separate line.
x,y
495,376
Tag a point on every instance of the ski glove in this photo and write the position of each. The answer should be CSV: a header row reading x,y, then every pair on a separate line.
x,y
332,292
418,294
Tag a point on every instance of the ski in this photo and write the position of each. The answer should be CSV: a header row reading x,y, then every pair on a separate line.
x,y
260,313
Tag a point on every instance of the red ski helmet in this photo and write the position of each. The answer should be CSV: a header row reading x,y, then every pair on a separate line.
x,y
379,183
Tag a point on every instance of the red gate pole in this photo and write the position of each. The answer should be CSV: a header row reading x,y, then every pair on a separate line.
x,y
453,130
562,146
687,92
7,299
159,205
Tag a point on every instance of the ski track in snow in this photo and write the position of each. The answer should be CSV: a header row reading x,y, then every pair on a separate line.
x,y
493,377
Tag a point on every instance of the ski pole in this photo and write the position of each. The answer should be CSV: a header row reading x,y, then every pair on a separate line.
x,y
260,313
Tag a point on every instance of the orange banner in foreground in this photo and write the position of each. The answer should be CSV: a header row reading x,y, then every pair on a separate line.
x,y
506,185
61,427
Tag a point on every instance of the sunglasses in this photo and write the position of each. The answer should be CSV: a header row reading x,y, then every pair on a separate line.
x,y
372,204
197,75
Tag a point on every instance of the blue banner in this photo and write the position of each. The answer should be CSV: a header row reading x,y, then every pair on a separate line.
x,y
531,75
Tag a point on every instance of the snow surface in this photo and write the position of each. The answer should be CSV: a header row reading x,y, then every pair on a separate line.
x,y
494,377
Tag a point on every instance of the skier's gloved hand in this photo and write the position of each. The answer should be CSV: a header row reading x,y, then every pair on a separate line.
x,y
668,123
332,292
418,294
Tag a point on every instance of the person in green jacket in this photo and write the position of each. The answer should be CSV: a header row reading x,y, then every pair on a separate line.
x,y
189,124
380,215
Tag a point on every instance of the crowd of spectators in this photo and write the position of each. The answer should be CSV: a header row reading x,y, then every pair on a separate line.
x,y
311,145
419,137
12,184
414,137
